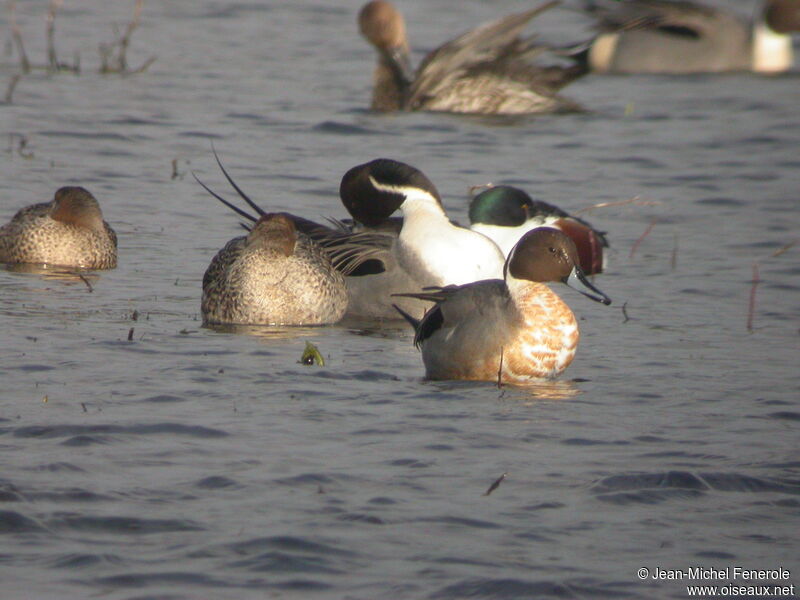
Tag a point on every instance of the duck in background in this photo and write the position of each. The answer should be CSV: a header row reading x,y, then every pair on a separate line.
x,y
512,330
274,275
504,214
662,36
484,71
69,231
378,261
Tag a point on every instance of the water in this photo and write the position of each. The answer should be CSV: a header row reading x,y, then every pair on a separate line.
x,y
193,463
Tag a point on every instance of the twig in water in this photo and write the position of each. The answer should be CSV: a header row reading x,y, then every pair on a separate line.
x,y
625,312
641,238
751,309
674,259
86,281
496,484
83,406
11,86
110,63
52,58
636,200
130,334
479,188
23,142
16,34
500,370
783,249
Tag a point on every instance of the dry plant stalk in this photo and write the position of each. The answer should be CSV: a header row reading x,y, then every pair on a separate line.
x,y
52,59
673,262
16,34
500,370
783,249
11,86
86,281
475,189
638,242
118,63
496,484
53,65
636,200
751,309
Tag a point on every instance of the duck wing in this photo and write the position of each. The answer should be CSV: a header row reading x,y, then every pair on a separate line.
x,y
478,302
497,40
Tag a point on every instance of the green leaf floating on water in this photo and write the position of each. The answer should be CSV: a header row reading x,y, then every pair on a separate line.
x,y
312,355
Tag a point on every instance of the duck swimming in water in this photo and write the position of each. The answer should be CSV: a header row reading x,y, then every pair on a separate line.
x,y
511,330
274,275
505,213
386,257
678,36
484,71
68,231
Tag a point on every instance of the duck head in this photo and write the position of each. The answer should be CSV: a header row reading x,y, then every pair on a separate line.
x,y
384,27
546,255
274,232
371,192
782,16
501,205
76,206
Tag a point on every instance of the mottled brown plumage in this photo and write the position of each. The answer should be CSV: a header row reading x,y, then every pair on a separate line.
x,y
275,275
484,71
68,231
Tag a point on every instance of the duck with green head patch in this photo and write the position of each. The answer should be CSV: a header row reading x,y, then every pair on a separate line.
x,y
504,214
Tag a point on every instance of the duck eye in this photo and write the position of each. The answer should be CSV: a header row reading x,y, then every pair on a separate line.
x,y
551,250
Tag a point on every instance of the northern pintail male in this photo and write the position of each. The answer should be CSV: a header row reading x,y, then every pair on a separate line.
x,y
515,330
504,213
274,275
484,71
662,36
69,231
429,249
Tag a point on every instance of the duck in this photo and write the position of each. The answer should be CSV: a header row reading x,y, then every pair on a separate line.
x,y
69,231
484,71
274,275
504,213
381,255
429,250
680,37
512,330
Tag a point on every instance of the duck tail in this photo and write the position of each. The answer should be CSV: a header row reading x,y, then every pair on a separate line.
x,y
412,321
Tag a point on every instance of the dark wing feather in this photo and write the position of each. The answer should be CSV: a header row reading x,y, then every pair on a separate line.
x,y
483,44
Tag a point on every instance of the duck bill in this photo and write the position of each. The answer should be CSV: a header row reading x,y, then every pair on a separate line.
x,y
577,280
400,63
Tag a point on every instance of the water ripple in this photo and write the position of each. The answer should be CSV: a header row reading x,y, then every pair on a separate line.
x,y
121,525
54,431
